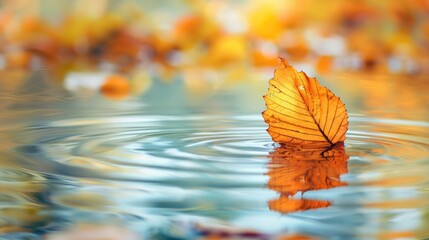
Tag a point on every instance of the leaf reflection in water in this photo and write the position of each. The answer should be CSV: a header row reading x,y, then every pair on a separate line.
x,y
293,170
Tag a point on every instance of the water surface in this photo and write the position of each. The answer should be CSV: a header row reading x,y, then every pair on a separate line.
x,y
172,168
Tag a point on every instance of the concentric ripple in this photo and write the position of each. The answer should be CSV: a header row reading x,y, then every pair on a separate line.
x,y
216,167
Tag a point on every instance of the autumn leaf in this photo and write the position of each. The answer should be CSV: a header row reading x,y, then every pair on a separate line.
x,y
116,87
302,112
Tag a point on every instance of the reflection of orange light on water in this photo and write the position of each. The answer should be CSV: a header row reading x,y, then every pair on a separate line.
x,y
116,87
296,237
293,171
397,235
284,204
211,232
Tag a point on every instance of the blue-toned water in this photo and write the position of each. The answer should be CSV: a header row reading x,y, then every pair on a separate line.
x,y
157,169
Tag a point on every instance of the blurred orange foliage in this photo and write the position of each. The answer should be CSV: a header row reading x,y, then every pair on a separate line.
x,y
373,36
116,87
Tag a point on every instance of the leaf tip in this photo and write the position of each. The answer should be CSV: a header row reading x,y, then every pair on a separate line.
x,y
283,61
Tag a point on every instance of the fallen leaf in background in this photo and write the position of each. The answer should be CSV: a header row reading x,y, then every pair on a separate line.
x,y
18,59
116,87
227,50
302,112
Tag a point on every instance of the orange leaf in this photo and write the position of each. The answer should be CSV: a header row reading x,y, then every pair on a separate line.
x,y
302,112
116,87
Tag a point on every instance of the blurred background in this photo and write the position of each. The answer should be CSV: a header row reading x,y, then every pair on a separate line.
x,y
143,113
121,47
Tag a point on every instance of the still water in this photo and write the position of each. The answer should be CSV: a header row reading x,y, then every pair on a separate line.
x,y
173,166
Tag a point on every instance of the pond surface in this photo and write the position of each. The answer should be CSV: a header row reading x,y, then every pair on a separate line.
x,y
170,165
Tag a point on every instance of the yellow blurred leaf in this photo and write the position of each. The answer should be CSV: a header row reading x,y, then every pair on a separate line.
x,y
264,20
227,49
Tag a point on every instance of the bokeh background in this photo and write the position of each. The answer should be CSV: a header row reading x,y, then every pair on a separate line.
x,y
185,65
137,42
